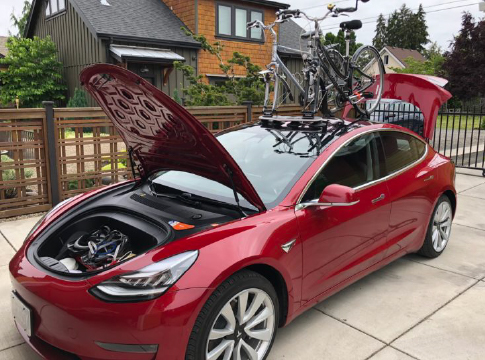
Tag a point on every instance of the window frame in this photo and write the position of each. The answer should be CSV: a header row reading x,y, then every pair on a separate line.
x,y
386,60
58,12
373,182
233,36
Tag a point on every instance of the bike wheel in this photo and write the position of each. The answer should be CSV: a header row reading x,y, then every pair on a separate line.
x,y
367,69
335,61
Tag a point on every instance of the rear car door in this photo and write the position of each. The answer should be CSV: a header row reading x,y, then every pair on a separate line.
x,y
410,179
339,242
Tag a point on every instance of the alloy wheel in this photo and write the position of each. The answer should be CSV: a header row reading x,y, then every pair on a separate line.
x,y
244,328
441,226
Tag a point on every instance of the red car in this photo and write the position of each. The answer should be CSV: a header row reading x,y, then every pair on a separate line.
x,y
220,241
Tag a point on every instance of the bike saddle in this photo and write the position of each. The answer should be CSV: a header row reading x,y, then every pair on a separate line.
x,y
351,25
307,35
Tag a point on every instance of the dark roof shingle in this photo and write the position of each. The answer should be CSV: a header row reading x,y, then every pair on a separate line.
x,y
403,54
289,35
141,19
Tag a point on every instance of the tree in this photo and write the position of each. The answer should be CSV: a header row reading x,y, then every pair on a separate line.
x,y
331,38
432,66
33,73
78,100
379,40
464,62
404,29
199,93
21,22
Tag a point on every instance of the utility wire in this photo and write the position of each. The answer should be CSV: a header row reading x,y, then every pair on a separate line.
x,y
428,12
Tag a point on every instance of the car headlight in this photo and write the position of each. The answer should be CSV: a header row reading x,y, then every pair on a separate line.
x,y
146,283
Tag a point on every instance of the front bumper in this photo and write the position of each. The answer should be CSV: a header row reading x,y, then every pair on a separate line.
x,y
68,320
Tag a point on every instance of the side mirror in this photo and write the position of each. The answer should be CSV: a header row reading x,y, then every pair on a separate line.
x,y
333,195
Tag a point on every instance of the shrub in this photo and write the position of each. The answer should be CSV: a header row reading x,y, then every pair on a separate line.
x,y
9,174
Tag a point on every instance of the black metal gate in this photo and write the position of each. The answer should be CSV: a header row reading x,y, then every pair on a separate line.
x,y
459,133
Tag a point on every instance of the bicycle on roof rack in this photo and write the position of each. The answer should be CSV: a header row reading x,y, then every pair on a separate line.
x,y
330,79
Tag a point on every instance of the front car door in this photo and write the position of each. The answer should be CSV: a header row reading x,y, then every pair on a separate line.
x,y
339,242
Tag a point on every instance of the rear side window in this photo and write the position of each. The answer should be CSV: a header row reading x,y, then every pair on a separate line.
x,y
353,165
400,150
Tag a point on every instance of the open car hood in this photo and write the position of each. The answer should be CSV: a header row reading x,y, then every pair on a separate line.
x,y
160,133
423,91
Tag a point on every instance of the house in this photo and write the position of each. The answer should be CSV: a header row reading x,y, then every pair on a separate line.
x,y
3,51
394,57
145,36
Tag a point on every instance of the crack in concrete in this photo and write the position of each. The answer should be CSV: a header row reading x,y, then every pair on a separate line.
x,y
438,268
11,347
8,242
434,312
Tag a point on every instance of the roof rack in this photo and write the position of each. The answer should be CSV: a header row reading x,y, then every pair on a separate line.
x,y
295,122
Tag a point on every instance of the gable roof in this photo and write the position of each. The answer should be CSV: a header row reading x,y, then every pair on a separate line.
x,y
289,35
402,54
143,20
3,46
274,4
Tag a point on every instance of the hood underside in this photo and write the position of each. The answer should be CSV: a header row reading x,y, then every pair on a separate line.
x,y
160,133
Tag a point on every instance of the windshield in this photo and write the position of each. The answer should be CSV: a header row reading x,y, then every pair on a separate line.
x,y
272,159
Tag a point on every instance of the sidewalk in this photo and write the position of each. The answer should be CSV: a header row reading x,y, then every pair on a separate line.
x,y
415,308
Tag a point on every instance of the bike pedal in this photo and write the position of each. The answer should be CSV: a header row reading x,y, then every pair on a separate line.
x,y
368,95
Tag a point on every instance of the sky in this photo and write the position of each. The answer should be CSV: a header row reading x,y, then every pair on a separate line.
x,y
443,16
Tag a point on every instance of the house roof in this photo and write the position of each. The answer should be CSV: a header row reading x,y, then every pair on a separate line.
x,y
402,54
146,20
274,4
3,46
289,36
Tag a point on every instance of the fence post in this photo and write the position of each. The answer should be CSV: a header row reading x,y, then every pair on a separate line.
x,y
52,153
249,115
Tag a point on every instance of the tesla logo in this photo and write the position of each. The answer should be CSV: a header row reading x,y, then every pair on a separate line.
x,y
287,247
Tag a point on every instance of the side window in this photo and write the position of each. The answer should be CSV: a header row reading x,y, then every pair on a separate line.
x,y
353,165
400,150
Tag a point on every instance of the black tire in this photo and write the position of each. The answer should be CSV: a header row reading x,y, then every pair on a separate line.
x,y
428,250
238,282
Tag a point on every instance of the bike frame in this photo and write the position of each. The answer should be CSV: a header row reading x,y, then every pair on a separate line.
x,y
274,66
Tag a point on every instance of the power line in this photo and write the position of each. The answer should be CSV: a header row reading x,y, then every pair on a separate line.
x,y
424,7
428,12
317,6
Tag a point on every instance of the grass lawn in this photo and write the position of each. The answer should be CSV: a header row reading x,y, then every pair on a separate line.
x,y
71,134
464,122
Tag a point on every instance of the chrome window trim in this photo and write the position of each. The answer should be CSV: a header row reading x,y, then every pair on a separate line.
x,y
373,182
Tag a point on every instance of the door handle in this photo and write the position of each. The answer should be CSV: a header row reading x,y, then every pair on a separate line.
x,y
429,178
382,197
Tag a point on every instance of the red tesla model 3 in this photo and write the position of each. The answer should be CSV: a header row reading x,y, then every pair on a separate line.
x,y
220,241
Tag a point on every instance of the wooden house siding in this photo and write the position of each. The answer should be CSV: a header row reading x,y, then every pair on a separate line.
x,y
77,46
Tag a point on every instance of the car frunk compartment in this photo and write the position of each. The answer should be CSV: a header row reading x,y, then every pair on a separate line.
x,y
99,240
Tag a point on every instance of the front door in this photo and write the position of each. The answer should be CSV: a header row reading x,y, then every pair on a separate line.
x,y
339,242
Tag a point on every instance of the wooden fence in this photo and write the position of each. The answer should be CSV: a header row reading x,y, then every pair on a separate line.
x,y
49,155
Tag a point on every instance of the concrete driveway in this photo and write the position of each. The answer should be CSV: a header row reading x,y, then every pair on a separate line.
x,y
414,308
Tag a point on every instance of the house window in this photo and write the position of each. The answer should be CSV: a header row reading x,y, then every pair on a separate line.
x,y
232,21
53,7
386,59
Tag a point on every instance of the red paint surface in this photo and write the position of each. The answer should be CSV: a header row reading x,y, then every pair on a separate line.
x,y
334,247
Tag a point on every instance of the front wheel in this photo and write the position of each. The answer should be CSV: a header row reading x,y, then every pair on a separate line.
x,y
368,69
238,321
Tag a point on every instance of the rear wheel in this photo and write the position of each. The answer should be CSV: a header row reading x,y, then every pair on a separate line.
x,y
439,229
239,321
